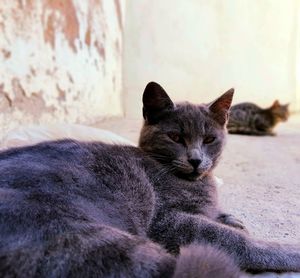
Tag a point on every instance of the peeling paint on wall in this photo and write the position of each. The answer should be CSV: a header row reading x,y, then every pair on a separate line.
x,y
60,61
60,13
119,13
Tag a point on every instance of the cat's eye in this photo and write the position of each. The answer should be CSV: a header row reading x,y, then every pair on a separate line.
x,y
209,139
175,137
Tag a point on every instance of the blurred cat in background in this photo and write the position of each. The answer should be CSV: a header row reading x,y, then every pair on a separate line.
x,y
249,119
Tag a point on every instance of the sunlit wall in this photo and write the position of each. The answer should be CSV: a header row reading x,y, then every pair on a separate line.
x,y
79,61
198,49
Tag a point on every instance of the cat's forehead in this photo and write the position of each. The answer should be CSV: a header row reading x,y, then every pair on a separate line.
x,y
192,119
186,110
283,108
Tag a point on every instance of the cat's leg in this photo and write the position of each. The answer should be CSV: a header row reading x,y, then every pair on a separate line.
x,y
250,254
243,130
231,220
255,132
262,128
247,131
263,132
271,133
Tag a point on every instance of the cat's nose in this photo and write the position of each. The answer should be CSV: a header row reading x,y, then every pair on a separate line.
x,y
195,162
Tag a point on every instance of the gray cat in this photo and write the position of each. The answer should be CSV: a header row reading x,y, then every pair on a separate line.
x,y
249,119
75,209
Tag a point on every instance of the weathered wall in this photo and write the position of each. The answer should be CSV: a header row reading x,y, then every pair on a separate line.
x,y
60,60
198,49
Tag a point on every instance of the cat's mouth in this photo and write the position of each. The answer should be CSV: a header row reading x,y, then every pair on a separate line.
x,y
187,171
198,174
191,174
194,175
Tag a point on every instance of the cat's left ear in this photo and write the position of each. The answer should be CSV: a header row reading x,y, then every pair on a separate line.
x,y
156,103
220,107
275,104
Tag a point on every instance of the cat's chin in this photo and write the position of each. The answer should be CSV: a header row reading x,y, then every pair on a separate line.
x,y
194,176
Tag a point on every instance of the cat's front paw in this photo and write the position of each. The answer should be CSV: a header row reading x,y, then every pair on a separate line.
x,y
230,220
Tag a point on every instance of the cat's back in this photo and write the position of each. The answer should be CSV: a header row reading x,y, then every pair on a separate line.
x,y
41,158
245,106
243,114
67,156
69,181
51,166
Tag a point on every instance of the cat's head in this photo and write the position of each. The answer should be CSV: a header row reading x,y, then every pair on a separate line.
x,y
280,111
186,138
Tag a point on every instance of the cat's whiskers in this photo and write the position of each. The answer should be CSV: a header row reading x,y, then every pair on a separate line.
x,y
182,165
166,169
159,157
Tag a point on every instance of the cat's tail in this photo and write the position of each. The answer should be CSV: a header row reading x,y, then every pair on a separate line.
x,y
102,251
205,261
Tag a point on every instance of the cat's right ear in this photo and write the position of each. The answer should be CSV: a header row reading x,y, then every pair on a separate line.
x,y
275,104
220,107
156,102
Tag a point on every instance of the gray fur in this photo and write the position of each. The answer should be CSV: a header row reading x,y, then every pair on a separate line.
x,y
210,263
74,209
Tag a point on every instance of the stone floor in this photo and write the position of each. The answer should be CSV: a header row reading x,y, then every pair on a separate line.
x,y
261,179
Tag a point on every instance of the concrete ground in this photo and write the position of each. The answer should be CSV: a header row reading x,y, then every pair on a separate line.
x,y
262,182
261,177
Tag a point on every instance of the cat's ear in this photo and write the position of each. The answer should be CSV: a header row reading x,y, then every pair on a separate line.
x,y
220,107
156,102
275,104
